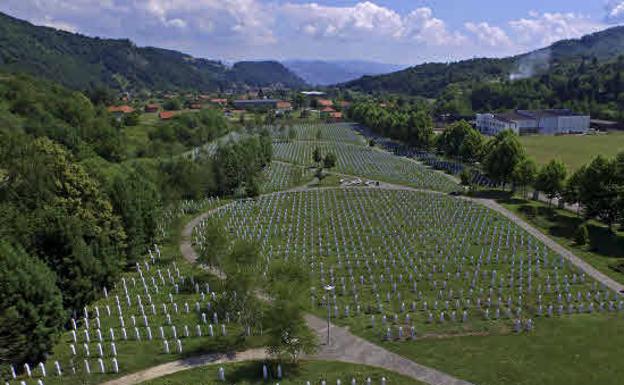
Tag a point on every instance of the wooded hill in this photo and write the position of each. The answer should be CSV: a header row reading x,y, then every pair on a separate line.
x,y
82,62
430,79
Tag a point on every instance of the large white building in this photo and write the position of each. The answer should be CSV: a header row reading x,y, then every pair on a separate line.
x,y
546,122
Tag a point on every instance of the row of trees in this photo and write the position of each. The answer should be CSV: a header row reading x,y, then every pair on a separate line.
x,y
409,124
598,186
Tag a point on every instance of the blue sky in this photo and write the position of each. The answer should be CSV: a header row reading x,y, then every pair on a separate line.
x,y
392,31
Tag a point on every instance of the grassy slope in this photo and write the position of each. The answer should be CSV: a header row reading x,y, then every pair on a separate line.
x,y
573,150
314,371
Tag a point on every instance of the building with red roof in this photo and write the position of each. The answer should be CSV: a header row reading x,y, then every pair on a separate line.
x,y
125,109
166,115
324,103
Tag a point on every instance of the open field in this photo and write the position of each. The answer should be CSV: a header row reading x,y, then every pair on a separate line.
x,y
573,150
250,373
579,350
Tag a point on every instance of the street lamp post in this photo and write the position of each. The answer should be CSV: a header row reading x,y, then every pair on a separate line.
x,y
328,290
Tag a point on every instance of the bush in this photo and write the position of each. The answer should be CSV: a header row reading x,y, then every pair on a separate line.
x,y
581,236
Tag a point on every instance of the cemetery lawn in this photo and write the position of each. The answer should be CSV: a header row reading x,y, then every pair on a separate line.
x,y
573,150
580,350
248,373
605,251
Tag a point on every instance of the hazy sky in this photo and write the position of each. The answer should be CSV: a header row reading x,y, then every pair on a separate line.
x,y
392,31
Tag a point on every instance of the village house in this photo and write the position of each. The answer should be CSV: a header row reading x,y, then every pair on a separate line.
x,y
166,115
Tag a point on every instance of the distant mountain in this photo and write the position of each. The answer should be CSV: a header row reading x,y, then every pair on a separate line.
x,y
431,79
321,73
83,62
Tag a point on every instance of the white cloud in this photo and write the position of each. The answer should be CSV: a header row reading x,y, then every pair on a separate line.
x,y
544,29
420,24
346,23
615,11
367,20
489,35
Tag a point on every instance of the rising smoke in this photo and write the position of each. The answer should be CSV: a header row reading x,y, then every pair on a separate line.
x,y
531,64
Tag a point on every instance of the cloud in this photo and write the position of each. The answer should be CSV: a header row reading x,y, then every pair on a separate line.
x,y
546,28
489,35
420,24
615,11
367,20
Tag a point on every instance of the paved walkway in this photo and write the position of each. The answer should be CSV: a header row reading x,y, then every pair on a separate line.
x,y
346,347
187,363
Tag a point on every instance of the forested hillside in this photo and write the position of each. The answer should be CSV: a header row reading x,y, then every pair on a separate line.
x,y
77,206
83,63
583,74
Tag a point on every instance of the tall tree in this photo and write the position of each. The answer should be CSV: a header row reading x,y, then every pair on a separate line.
x,y
524,174
504,152
31,311
551,179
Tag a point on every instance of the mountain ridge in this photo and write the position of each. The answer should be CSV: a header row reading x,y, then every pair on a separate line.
x,y
83,62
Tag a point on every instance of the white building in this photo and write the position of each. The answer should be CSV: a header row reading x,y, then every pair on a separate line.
x,y
546,122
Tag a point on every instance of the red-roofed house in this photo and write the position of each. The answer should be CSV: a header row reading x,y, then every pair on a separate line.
x,y
195,106
121,109
324,103
328,109
166,115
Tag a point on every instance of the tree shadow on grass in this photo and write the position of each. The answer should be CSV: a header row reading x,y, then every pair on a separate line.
x,y
562,224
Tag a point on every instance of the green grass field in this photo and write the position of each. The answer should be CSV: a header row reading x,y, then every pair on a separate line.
x,y
250,373
579,350
573,150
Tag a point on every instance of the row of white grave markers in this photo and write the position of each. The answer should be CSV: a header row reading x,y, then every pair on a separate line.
x,y
133,311
387,252
279,375
41,372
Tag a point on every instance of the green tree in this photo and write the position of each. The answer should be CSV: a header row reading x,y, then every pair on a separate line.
x,y
31,311
329,161
524,174
581,235
59,214
503,154
316,155
215,243
600,191
551,179
288,334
